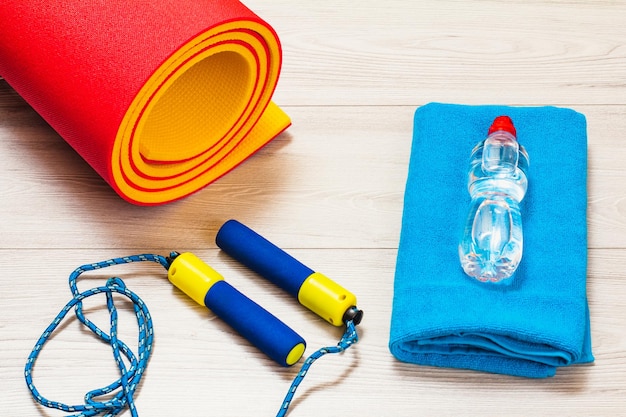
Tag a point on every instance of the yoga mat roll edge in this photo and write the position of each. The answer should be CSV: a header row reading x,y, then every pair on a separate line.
x,y
160,98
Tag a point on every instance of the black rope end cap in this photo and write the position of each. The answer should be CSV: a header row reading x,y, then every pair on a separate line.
x,y
353,314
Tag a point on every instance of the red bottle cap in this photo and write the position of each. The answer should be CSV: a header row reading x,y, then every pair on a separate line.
x,y
502,123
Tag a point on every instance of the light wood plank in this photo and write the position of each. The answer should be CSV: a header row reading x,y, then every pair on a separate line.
x,y
476,52
200,365
337,175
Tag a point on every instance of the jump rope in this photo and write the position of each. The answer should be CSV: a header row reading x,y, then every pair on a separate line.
x,y
207,287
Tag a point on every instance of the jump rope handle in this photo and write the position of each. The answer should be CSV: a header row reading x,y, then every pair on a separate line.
x,y
313,290
208,288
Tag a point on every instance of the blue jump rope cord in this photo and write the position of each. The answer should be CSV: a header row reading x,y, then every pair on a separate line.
x,y
349,338
130,377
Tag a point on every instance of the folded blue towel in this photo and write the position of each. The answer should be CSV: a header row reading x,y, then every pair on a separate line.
x,y
441,317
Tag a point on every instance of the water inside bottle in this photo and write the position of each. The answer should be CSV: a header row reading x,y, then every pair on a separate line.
x,y
492,243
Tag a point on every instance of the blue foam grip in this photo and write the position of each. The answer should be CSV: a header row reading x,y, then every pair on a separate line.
x,y
270,335
262,256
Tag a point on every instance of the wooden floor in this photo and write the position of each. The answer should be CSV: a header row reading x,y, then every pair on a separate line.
x,y
330,191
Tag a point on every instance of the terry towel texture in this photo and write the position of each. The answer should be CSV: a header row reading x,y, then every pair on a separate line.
x,y
539,322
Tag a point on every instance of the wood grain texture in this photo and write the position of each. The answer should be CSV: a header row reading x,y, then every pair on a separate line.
x,y
485,51
330,190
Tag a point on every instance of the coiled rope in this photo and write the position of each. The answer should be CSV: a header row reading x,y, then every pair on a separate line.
x,y
123,388
119,394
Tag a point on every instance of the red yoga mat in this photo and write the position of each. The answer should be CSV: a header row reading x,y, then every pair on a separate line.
x,y
159,97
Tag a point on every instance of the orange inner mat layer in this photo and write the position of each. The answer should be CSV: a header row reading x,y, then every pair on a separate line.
x,y
160,98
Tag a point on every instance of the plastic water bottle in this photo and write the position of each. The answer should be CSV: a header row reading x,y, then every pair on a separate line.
x,y
492,243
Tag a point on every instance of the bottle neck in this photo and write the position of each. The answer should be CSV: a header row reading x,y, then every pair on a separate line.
x,y
500,153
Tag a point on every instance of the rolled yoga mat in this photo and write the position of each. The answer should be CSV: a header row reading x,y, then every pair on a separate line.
x,y
159,97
